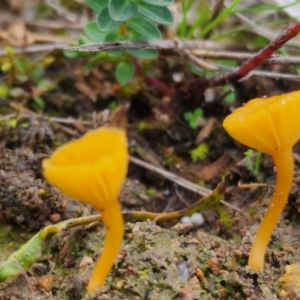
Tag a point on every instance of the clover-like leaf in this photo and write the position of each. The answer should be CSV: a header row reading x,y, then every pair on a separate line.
x,y
93,33
125,72
154,13
105,22
144,27
143,53
97,5
122,10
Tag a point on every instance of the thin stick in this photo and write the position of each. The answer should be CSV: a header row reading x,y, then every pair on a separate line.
x,y
231,77
172,177
253,62
36,48
217,67
274,59
180,181
159,45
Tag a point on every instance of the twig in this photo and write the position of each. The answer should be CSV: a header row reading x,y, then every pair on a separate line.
x,y
274,75
69,121
61,11
172,177
253,62
54,24
159,45
180,181
9,116
181,46
217,67
36,48
251,185
274,59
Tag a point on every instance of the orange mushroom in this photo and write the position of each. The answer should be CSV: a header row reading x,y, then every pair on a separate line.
x,y
92,170
270,125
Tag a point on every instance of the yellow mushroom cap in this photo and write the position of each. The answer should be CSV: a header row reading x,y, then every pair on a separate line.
x,y
267,124
92,168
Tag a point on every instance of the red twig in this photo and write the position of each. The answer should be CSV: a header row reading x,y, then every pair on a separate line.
x,y
256,60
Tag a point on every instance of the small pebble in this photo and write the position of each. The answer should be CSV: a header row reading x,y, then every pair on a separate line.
x,y
136,228
197,219
183,269
55,218
86,260
185,219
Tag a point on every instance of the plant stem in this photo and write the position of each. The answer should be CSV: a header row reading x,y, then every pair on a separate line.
x,y
113,220
210,201
284,168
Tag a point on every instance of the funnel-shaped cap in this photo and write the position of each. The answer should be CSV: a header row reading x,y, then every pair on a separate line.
x,y
267,125
91,169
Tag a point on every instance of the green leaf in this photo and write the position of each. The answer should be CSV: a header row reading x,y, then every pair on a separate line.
x,y
71,54
83,39
159,2
200,153
45,83
37,72
6,66
97,5
115,53
188,116
198,113
93,33
125,72
122,10
105,22
144,53
157,14
23,64
22,259
144,27
112,36
39,102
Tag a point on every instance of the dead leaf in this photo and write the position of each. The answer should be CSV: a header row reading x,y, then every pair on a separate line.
x,y
214,169
118,117
206,130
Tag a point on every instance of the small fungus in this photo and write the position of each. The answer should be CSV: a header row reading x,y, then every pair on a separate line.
x,y
92,170
270,125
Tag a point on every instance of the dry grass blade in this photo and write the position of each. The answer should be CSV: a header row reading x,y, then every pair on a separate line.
x,y
180,181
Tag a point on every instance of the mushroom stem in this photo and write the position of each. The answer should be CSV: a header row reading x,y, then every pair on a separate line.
x,y
113,221
284,163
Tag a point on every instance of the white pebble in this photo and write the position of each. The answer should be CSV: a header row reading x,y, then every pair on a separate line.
x,y
197,219
185,219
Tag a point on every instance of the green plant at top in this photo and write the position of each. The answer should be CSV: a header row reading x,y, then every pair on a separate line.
x,y
127,20
192,117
